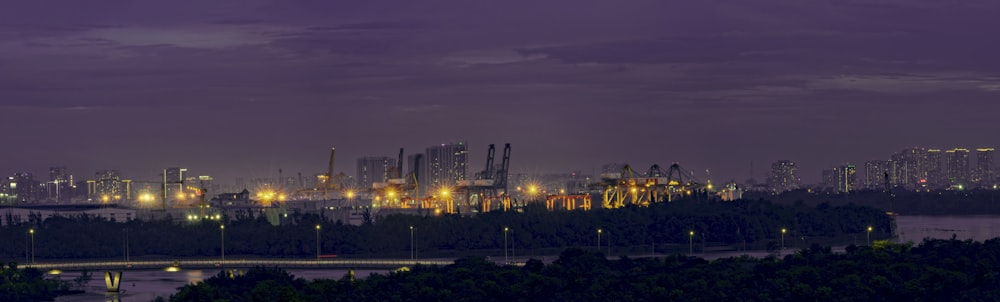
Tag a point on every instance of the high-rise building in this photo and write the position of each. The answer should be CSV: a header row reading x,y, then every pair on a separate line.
x,y
829,180
447,164
958,167
984,168
374,169
875,171
22,187
783,176
846,178
841,179
60,184
109,187
173,179
935,178
909,168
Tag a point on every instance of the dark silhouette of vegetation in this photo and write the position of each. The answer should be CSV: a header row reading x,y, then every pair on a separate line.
x,y
747,222
28,285
906,202
936,270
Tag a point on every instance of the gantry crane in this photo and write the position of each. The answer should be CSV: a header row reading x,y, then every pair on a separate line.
x,y
629,187
490,186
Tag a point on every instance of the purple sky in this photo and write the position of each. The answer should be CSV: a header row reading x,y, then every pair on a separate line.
x,y
235,87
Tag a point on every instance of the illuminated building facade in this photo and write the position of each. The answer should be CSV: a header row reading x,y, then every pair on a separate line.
x,y
447,164
984,177
958,167
875,174
60,185
783,176
935,177
109,187
20,188
173,179
841,179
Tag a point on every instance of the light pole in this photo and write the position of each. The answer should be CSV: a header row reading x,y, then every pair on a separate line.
x,y
783,230
599,231
32,232
413,248
691,243
222,232
317,241
869,235
609,244
505,259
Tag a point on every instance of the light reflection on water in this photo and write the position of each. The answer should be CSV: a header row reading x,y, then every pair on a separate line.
x,y
146,285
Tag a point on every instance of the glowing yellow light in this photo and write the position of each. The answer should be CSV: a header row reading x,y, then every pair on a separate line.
x,y
869,228
634,190
783,231
392,193
317,227
350,194
31,231
692,233
533,189
445,192
180,196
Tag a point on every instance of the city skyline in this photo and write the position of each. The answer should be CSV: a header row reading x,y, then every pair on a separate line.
x,y
246,90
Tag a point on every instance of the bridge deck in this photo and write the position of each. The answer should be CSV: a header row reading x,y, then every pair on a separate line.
x,y
235,263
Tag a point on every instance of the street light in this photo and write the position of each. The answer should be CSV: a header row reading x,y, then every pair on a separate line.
x,y
32,232
505,259
783,230
413,248
599,231
869,235
317,241
691,243
222,232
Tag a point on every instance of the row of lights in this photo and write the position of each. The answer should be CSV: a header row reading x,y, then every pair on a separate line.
x,y
207,217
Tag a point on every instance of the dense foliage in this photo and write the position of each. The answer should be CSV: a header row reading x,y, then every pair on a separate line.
x,y
938,270
741,223
28,285
904,202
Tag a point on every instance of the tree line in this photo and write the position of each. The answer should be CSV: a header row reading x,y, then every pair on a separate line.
x,y
936,270
740,223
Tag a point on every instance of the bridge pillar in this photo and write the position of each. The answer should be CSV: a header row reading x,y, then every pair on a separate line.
x,y
233,273
113,281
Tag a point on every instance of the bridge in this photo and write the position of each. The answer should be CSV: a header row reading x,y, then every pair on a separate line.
x,y
236,263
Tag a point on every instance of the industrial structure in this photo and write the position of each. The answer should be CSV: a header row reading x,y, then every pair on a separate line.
x,y
489,190
629,187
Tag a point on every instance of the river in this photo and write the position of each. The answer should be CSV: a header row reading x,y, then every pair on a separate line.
x,y
147,285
